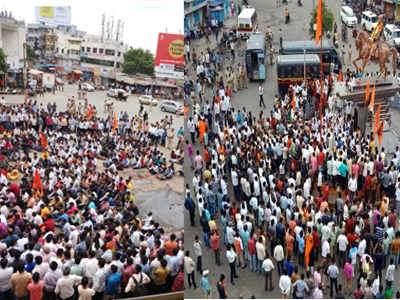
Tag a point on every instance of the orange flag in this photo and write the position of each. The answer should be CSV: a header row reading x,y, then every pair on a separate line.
x,y
318,31
372,103
115,124
340,78
89,114
377,114
380,133
43,141
37,184
367,91
293,100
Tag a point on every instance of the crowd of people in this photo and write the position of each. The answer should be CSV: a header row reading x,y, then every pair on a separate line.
x,y
306,200
69,224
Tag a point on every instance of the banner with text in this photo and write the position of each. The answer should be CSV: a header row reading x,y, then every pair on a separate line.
x,y
170,62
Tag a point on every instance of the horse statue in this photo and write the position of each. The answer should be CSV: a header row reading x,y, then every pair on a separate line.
x,y
375,51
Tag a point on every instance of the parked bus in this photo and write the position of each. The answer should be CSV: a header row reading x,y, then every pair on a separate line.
x,y
330,57
255,54
290,69
246,22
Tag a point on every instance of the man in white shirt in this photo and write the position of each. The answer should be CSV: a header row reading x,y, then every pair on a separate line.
x,y
326,248
231,256
261,94
65,284
285,284
268,266
279,256
342,243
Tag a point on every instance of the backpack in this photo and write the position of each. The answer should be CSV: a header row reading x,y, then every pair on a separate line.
x,y
140,289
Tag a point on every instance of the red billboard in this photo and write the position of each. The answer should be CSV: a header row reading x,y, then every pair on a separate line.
x,y
170,62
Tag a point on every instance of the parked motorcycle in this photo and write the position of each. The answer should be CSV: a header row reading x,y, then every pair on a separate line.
x,y
300,2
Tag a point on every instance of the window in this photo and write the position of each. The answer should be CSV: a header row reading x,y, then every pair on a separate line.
x,y
110,52
119,53
83,49
117,65
101,50
94,50
87,49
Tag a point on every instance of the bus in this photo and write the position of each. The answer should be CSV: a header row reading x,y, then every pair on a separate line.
x,y
290,69
255,54
330,57
246,22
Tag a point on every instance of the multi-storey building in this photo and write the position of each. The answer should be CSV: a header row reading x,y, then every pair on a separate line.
x,y
12,38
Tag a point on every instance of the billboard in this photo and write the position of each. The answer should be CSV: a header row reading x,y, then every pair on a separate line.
x,y
170,62
55,15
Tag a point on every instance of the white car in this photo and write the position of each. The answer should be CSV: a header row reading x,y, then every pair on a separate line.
x,y
87,87
392,34
147,99
119,94
171,106
348,17
369,20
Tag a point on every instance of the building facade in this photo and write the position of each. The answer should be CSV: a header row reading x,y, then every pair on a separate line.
x,y
12,38
195,13
68,50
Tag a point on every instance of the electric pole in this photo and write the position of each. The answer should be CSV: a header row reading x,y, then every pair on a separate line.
x,y
25,76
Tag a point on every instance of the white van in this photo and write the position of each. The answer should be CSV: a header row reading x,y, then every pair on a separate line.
x,y
369,20
246,22
392,34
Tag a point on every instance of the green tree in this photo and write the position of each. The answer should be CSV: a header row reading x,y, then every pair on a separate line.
x,y
30,53
138,61
3,63
327,19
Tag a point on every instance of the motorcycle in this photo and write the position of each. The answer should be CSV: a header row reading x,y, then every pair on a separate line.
x,y
300,2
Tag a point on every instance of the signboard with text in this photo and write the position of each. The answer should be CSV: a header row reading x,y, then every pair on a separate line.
x,y
170,62
55,15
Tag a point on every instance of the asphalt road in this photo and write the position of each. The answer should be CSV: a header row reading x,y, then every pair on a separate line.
x,y
252,284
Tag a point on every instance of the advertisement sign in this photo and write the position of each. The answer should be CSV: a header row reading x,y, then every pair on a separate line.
x,y
170,62
55,15
48,80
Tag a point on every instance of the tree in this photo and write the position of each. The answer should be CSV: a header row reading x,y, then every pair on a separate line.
x,y
327,19
138,61
3,63
30,53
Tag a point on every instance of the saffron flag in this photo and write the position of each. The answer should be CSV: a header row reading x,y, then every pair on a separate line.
x,y
43,141
115,124
293,100
377,114
340,78
89,114
367,91
372,103
37,184
318,31
380,133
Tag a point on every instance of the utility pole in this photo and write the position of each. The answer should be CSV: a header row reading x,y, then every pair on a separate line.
x,y
25,76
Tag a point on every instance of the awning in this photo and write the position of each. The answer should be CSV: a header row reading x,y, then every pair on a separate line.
x,y
77,72
35,72
60,68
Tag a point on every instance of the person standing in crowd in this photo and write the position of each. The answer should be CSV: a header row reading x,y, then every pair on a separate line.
x,y
205,284
189,269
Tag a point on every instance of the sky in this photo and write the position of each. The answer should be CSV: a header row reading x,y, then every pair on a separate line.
x,y
144,19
